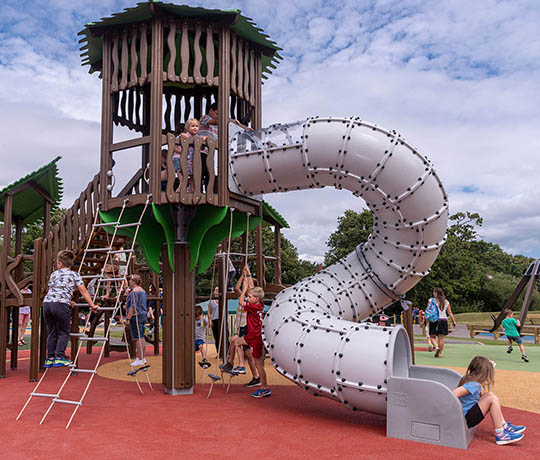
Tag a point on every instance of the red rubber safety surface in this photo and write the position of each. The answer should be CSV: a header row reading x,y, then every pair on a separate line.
x,y
117,422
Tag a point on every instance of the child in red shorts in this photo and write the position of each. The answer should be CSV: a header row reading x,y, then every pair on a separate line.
x,y
253,306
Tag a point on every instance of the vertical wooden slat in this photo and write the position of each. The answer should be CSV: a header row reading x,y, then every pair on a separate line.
x,y
234,61
256,122
75,225
177,110
138,107
38,263
246,71
197,169
187,107
106,120
46,219
210,55
156,108
252,77
198,55
185,179
224,90
240,84
134,57
144,55
115,67
168,109
89,208
171,44
124,61
131,107
123,101
68,230
210,167
184,53
82,217
4,317
233,106
171,143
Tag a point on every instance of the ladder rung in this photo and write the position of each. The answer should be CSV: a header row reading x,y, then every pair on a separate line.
x,y
44,395
95,339
84,371
81,305
119,251
98,249
90,276
113,279
107,308
105,224
66,401
77,334
136,224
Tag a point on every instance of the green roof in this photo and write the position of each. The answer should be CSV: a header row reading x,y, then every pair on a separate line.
x,y
28,202
243,26
269,211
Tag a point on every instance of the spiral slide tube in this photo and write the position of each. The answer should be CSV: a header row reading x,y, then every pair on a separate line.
x,y
312,331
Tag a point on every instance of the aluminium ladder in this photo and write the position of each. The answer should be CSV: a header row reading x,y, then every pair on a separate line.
x,y
109,252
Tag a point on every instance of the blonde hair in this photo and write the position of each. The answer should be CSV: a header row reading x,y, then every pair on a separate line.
x,y
190,122
256,292
66,257
480,370
136,279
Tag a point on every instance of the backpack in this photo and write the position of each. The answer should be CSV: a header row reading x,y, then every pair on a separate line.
x,y
432,312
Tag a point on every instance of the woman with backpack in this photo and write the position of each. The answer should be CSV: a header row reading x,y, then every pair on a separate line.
x,y
437,313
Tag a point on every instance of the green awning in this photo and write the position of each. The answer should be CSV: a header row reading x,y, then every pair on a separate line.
x,y
274,216
243,26
30,191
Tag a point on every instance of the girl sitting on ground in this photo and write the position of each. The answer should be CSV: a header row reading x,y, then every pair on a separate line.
x,y
474,393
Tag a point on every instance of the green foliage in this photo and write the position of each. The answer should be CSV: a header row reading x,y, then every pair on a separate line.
x,y
35,230
353,229
475,275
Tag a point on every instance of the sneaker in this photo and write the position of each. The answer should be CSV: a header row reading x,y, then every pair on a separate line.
x,y
262,393
137,362
507,437
240,369
49,362
514,428
254,382
524,358
62,362
228,367
509,349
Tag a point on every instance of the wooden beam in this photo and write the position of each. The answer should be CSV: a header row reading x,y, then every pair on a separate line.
x,y
4,317
130,144
224,91
106,122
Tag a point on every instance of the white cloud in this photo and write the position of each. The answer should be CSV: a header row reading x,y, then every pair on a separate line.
x,y
460,80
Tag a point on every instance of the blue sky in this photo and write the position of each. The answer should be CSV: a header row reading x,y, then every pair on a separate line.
x,y
459,79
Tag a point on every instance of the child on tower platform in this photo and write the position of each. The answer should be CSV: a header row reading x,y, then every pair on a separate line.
x,y
253,305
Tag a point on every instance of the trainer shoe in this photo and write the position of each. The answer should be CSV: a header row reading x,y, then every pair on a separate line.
x,y
137,362
254,382
514,428
263,392
524,358
227,367
49,362
240,369
509,349
507,437
62,362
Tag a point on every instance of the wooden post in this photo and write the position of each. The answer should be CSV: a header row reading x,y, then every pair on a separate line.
x,y
257,114
46,219
4,318
223,114
408,324
156,108
260,256
529,293
178,322
277,250
36,309
106,121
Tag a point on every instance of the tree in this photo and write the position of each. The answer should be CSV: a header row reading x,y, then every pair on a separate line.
x,y
35,230
353,229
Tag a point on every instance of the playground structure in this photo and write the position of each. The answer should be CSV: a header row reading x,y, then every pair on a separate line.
x,y
161,64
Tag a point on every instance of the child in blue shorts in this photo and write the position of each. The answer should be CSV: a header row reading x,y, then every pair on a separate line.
x,y
510,325
201,326
477,400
